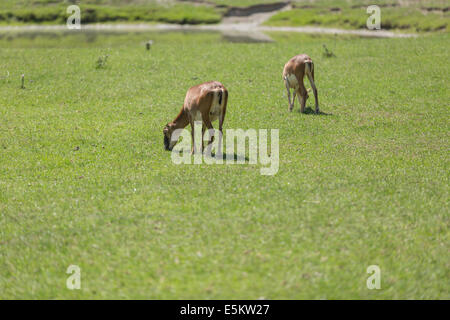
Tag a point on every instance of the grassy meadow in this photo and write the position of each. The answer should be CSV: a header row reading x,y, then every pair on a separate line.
x,y
407,16
85,180
95,11
412,16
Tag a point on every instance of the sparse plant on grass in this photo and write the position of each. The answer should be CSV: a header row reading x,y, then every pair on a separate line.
x,y
101,62
328,53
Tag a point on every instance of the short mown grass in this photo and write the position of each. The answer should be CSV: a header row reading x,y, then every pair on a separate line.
x,y
84,178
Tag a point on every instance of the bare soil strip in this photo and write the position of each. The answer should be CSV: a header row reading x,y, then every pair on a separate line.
x,y
223,27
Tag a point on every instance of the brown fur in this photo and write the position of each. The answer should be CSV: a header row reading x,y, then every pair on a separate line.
x,y
199,101
299,66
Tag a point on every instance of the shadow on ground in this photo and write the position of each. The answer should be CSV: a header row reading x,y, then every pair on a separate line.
x,y
310,111
234,157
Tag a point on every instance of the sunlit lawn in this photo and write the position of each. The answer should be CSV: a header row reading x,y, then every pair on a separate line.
x,y
84,178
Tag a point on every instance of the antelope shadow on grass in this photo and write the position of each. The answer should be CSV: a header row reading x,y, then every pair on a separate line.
x,y
311,111
235,157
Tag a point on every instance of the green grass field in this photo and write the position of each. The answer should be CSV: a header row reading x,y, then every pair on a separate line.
x,y
84,178
95,11
352,15
410,15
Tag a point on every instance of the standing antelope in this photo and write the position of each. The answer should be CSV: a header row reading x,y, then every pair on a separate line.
x,y
293,74
204,102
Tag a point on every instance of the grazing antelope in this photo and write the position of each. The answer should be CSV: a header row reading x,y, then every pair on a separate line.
x,y
205,102
293,74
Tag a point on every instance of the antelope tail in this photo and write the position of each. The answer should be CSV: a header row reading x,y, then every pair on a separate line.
x,y
309,67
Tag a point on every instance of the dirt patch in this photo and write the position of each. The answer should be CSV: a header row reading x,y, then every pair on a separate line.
x,y
224,28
